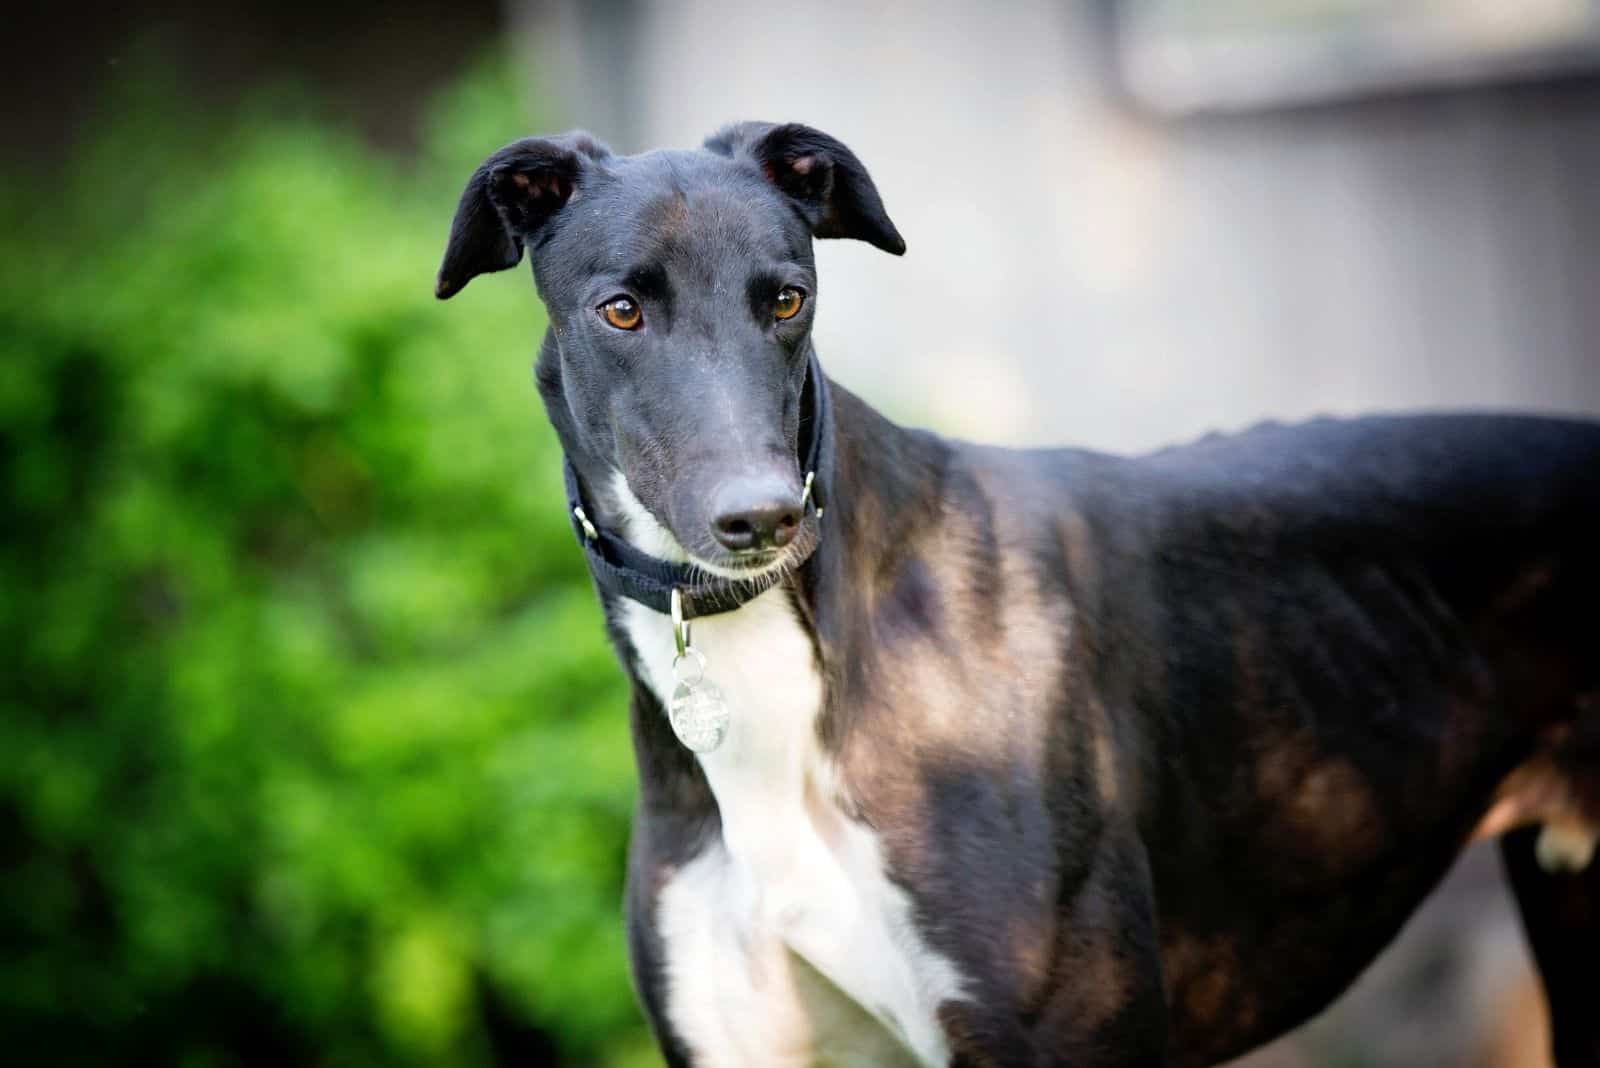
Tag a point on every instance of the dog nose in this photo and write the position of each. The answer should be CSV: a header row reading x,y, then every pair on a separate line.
x,y
755,514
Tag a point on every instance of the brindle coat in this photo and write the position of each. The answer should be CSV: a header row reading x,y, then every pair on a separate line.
x,y
1268,685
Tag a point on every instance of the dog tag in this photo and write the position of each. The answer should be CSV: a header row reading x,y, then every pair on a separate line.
x,y
697,712
699,716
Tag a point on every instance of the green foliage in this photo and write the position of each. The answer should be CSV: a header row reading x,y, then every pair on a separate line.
x,y
314,751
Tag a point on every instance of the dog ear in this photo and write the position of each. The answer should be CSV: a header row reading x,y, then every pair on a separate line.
x,y
508,199
817,172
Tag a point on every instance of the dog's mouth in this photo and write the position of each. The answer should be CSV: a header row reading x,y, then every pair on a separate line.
x,y
763,565
749,568
755,562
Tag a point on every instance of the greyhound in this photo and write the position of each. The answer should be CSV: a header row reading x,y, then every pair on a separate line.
x,y
959,755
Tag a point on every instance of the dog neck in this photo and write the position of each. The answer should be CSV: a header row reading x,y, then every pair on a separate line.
x,y
879,485
632,554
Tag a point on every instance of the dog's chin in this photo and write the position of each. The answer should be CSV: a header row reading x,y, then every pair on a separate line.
x,y
746,566
749,567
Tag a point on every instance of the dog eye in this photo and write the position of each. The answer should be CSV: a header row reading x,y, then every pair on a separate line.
x,y
787,306
622,313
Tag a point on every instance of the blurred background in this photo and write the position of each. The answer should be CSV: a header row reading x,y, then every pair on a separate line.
x,y
312,750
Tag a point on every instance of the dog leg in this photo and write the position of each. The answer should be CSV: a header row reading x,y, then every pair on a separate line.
x,y
1561,915
1104,1002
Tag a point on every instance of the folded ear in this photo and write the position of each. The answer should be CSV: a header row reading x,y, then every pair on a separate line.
x,y
508,199
817,172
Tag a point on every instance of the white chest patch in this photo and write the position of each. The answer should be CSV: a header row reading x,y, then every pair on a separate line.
x,y
785,942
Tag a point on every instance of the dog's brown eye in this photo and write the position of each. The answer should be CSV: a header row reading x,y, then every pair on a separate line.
x,y
622,313
787,306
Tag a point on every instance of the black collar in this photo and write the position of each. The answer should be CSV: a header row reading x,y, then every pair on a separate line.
x,y
619,568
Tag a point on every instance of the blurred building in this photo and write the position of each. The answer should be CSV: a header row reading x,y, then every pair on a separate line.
x,y
1134,222
1102,253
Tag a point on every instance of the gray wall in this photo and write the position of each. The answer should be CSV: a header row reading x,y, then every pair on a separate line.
x,y
1080,272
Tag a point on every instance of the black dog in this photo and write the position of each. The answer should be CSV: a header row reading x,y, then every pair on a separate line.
x,y
990,757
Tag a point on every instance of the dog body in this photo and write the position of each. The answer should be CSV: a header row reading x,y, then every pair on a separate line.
x,y
1035,757
1163,750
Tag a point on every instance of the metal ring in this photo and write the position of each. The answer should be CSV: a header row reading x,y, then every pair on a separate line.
x,y
699,659
680,626
588,527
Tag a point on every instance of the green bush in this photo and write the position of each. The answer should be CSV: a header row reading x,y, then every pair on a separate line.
x,y
314,751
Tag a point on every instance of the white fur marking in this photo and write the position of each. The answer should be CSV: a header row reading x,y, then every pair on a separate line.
x,y
640,527
786,943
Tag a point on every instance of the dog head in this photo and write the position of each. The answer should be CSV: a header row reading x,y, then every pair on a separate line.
x,y
680,287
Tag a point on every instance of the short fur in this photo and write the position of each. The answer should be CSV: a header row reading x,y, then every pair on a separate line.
x,y
1161,750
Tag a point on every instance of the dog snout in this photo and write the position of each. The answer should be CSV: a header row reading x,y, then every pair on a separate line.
x,y
755,513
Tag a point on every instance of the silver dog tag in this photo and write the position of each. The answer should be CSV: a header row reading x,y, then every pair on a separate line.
x,y
698,715
697,712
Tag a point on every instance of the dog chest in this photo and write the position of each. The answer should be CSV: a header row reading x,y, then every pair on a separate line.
x,y
786,942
